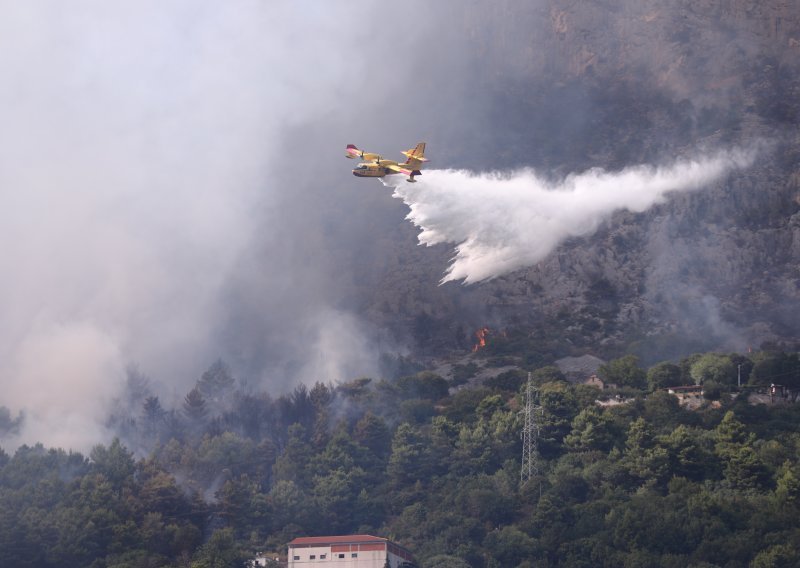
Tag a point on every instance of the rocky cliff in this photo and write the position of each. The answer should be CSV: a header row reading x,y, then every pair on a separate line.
x,y
563,86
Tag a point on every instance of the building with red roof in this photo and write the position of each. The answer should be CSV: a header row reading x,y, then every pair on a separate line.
x,y
348,551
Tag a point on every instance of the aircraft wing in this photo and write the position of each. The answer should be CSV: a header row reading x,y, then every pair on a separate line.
x,y
399,169
353,152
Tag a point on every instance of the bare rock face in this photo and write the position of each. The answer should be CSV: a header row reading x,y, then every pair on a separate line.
x,y
691,48
576,85
579,369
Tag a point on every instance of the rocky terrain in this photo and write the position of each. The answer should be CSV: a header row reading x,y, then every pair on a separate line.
x,y
610,85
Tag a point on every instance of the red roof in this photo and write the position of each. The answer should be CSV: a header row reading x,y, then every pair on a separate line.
x,y
344,539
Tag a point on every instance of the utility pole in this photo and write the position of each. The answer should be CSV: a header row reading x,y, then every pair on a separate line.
x,y
530,435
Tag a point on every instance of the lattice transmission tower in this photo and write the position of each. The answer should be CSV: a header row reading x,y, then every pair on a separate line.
x,y
530,434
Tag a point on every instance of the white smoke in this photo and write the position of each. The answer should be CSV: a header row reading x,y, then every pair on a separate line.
x,y
501,222
63,375
137,166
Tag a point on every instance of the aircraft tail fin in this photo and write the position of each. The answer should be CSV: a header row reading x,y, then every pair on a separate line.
x,y
416,155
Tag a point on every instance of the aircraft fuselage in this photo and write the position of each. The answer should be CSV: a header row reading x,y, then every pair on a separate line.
x,y
372,170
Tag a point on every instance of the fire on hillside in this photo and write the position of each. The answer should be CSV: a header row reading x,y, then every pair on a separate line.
x,y
481,335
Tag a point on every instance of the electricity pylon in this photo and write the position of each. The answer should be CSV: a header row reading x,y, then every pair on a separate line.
x,y
530,435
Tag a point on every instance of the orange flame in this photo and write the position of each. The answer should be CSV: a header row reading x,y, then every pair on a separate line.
x,y
481,334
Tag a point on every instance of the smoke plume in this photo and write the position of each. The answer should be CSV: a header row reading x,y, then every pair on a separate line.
x,y
144,166
501,222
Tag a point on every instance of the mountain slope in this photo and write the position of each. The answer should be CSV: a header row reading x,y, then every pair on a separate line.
x,y
563,87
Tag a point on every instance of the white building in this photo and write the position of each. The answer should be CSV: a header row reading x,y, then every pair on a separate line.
x,y
349,551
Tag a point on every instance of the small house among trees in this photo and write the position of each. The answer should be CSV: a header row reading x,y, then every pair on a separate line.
x,y
689,395
595,381
349,551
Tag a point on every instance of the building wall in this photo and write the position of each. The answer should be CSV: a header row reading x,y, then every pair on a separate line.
x,y
342,556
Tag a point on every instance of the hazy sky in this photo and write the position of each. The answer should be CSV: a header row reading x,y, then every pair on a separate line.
x,y
162,170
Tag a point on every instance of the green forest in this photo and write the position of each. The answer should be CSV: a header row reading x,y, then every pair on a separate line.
x,y
626,476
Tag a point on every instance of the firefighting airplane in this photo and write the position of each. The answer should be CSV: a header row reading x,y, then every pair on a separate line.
x,y
375,166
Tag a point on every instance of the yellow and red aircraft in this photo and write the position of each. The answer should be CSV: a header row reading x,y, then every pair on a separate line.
x,y
375,166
